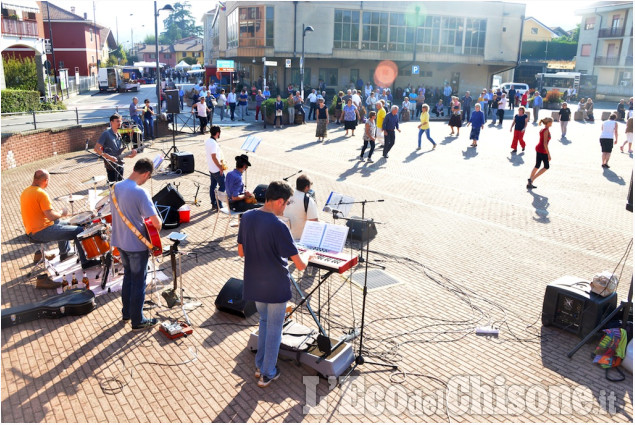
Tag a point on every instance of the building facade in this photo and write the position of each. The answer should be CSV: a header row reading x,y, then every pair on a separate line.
x,y
605,47
534,30
428,43
22,35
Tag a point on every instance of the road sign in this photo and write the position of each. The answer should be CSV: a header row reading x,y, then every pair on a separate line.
x,y
415,69
287,63
271,63
48,49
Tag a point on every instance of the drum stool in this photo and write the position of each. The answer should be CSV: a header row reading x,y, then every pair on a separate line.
x,y
43,261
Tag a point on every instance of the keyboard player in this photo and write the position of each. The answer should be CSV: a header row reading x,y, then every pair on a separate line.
x,y
301,207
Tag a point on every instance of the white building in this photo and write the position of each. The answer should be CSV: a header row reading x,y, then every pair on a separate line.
x,y
605,47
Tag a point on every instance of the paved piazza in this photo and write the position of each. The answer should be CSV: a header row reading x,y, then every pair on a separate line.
x,y
469,244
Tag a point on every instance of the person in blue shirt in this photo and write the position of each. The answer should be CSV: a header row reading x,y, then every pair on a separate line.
x,y
477,121
181,95
537,105
266,244
239,198
279,109
390,124
266,93
134,112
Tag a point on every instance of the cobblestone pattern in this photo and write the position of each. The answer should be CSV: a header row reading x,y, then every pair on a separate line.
x,y
457,227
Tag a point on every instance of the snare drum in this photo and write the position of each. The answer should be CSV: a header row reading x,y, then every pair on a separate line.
x,y
104,214
81,219
93,242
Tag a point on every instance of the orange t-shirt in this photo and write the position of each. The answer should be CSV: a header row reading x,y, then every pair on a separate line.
x,y
33,202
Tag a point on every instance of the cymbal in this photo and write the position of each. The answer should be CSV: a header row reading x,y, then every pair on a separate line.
x,y
104,193
95,180
71,198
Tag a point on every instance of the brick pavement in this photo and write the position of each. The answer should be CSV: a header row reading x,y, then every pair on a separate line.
x,y
471,245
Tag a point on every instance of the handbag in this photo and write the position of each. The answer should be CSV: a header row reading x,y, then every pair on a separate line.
x,y
604,284
278,112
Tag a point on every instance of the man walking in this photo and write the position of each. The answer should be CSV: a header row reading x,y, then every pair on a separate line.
x,y
201,110
266,243
466,103
135,204
537,105
231,101
390,124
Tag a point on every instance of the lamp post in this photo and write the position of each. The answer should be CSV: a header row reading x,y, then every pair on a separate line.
x,y
304,31
156,45
131,38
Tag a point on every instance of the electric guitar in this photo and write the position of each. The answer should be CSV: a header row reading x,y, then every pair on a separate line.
x,y
155,238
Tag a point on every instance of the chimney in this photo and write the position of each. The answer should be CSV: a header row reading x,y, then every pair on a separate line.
x,y
85,15
72,9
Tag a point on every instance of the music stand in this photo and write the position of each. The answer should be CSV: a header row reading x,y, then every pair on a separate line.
x,y
359,360
250,144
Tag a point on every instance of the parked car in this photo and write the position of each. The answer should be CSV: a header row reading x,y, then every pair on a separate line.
x,y
520,88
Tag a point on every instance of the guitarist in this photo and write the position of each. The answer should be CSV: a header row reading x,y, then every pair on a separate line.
x,y
135,204
110,146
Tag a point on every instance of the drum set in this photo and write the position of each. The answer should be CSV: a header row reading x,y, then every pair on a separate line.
x,y
95,239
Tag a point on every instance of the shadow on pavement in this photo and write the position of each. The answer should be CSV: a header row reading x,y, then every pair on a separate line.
x,y
305,146
415,154
516,159
540,204
469,153
565,141
612,177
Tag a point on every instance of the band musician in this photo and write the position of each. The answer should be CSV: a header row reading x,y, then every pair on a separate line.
x,y
301,207
239,199
110,147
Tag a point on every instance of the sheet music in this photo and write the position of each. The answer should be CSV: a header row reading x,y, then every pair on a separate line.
x,y
339,202
324,236
251,143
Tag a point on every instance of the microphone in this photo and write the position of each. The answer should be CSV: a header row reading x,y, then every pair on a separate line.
x,y
329,209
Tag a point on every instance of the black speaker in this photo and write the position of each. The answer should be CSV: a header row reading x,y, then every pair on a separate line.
x,y
174,103
230,299
259,192
183,161
359,231
168,201
570,305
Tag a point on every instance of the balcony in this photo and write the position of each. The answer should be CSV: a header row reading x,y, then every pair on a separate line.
x,y
611,32
19,28
613,61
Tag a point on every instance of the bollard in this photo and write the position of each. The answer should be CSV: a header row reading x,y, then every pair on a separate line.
x,y
77,116
34,124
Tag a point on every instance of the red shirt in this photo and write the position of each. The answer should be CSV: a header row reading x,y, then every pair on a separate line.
x,y
523,100
540,147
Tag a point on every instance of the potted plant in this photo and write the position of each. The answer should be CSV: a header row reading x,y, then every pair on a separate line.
x,y
553,99
269,109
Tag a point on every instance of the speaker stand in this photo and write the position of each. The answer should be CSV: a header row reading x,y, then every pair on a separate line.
x,y
361,249
173,148
625,308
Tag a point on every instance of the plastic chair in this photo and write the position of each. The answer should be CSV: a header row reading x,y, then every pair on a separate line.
x,y
222,197
44,262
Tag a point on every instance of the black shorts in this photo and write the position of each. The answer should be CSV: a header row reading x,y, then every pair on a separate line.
x,y
542,157
607,145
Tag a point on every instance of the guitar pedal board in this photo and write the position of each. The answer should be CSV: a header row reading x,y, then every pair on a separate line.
x,y
175,330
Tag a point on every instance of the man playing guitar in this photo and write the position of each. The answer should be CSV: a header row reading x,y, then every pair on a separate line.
x,y
134,203
110,146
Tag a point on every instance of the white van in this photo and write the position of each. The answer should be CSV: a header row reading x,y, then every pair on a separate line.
x,y
520,88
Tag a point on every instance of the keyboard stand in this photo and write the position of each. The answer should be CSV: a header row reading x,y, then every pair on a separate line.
x,y
306,299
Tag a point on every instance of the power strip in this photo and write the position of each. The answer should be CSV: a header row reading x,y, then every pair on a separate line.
x,y
486,331
172,328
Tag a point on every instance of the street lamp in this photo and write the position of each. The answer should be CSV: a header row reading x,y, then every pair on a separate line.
x,y
304,31
156,45
131,38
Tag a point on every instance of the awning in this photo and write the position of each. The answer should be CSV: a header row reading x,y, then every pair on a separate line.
x,y
561,65
182,65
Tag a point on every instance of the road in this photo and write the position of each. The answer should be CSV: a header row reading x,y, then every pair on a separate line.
x,y
88,108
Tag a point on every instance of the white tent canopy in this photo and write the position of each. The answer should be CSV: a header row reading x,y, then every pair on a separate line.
x,y
148,64
182,65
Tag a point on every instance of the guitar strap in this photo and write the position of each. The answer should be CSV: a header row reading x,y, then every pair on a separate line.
x,y
129,224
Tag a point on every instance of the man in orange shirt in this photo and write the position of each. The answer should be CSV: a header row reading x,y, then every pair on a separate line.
x,y
42,223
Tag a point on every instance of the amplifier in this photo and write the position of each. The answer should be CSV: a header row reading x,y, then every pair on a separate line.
x,y
183,161
570,305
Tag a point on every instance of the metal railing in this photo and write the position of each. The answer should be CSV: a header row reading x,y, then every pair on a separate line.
x,y
19,28
600,60
34,120
611,32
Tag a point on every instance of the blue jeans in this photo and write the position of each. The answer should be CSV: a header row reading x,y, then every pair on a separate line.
x,y
243,111
221,112
216,179
61,232
269,336
133,291
148,125
137,120
427,132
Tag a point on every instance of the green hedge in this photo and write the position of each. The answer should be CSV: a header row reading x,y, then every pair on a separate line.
x,y
26,101
269,106
556,50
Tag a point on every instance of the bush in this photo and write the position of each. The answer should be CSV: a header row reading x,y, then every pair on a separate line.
x,y
26,101
332,107
553,96
269,106
20,73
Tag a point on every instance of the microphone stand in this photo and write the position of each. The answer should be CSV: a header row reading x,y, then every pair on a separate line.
x,y
288,177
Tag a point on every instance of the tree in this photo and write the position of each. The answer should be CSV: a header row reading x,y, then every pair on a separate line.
x,y
20,73
149,39
180,24
120,54
190,60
